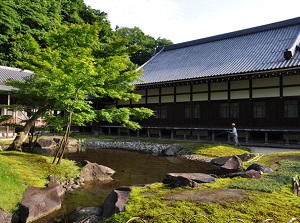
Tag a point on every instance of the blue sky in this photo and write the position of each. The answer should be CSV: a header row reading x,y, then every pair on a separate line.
x,y
185,20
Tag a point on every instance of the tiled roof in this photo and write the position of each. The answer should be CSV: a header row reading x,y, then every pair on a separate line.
x,y
256,49
7,73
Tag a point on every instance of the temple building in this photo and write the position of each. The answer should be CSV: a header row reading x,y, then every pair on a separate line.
x,y
198,88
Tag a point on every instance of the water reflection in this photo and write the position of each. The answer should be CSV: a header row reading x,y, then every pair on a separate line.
x,y
132,168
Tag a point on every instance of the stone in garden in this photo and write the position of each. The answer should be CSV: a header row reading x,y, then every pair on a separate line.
x,y
187,179
246,174
231,163
259,168
5,217
38,202
94,171
115,202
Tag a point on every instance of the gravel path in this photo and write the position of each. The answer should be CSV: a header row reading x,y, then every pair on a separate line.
x,y
272,149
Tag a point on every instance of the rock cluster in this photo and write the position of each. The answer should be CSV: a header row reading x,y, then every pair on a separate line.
x,y
37,202
153,148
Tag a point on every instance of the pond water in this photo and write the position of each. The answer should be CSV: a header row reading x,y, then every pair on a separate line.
x,y
132,168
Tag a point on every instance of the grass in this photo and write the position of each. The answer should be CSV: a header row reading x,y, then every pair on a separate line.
x,y
268,198
20,170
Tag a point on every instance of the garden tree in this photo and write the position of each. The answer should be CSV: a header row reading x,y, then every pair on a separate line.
x,y
73,66
141,47
37,17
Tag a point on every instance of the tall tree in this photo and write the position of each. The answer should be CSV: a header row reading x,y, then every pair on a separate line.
x,y
37,17
73,66
140,45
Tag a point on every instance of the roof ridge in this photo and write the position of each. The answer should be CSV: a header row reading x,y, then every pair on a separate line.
x,y
15,69
242,32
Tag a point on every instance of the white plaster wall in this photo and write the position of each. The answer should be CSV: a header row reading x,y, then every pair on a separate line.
x,y
183,98
152,100
183,89
219,86
289,80
200,97
166,99
153,91
291,91
167,90
239,94
219,96
239,84
265,82
200,87
265,93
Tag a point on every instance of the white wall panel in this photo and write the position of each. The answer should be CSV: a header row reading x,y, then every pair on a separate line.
x,y
167,90
265,93
291,91
219,86
183,89
239,84
265,82
183,98
200,97
165,99
219,96
239,94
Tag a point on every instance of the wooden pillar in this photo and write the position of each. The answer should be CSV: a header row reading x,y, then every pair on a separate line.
x,y
184,134
159,133
172,134
228,137
247,137
213,136
119,131
287,139
109,131
137,133
266,138
148,133
198,135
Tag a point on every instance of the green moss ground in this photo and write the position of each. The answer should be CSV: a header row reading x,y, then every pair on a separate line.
x,y
19,170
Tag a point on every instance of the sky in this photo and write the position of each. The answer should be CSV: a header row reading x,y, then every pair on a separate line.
x,y
186,20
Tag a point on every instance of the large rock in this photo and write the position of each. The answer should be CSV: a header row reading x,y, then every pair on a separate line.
x,y
115,202
38,202
229,163
5,217
85,215
259,168
94,171
172,150
46,142
246,174
187,179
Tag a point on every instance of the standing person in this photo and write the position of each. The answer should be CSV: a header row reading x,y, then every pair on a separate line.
x,y
235,135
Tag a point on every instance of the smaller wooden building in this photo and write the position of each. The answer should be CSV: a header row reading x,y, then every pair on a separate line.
x,y
6,99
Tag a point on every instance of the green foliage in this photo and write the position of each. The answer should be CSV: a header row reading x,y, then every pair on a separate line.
x,y
37,17
125,116
141,47
68,71
20,170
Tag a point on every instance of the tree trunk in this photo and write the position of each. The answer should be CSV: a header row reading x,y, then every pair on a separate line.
x,y
63,142
22,136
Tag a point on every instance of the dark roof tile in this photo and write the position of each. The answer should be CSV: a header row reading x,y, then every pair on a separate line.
x,y
250,50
